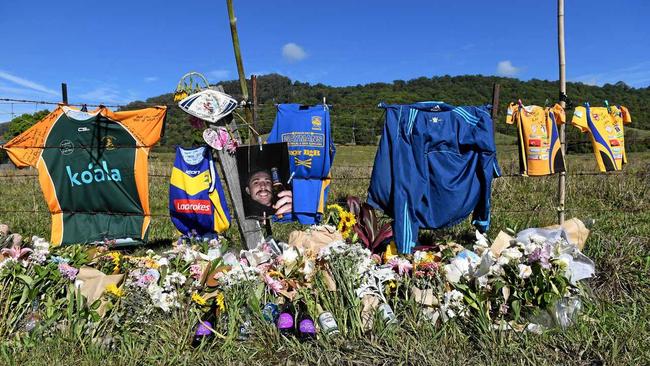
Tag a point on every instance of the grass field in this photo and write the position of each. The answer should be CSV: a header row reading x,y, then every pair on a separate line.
x,y
614,328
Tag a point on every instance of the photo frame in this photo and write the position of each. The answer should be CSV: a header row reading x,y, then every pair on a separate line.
x,y
264,180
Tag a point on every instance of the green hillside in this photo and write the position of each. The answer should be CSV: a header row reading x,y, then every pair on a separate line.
x,y
356,118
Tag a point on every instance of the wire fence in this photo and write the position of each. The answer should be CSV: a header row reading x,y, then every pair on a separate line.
x,y
346,123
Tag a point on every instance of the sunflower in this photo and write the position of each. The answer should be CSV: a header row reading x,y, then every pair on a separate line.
x,y
198,299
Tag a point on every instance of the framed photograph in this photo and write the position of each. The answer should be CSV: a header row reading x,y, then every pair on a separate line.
x,y
263,177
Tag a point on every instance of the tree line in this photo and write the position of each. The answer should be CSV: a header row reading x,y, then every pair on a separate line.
x,y
357,119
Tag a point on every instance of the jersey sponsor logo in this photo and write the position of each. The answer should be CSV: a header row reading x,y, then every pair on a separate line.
x,y
595,116
316,122
577,114
436,119
614,142
192,172
94,174
83,129
108,142
201,207
66,147
535,142
304,139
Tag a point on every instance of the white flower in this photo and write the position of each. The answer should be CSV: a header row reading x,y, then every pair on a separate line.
x,y
496,270
482,281
453,305
161,299
41,250
524,271
308,269
290,256
240,274
509,255
172,279
162,262
335,247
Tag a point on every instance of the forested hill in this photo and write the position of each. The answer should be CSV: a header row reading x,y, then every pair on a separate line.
x,y
355,116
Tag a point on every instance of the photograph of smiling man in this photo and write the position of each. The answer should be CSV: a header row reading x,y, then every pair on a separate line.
x,y
263,177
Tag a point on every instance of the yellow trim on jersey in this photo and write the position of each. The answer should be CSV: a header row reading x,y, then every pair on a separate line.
x,y
191,185
221,222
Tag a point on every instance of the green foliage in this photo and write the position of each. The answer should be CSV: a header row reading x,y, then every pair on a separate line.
x,y
21,123
356,118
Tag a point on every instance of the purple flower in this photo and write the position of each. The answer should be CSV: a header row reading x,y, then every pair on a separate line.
x,y
68,271
541,255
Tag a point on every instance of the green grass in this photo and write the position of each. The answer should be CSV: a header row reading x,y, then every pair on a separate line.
x,y
614,327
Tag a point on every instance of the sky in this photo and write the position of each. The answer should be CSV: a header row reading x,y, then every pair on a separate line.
x,y
117,51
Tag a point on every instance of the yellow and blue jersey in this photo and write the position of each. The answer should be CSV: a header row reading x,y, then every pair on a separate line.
x,y
197,203
605,126
539,147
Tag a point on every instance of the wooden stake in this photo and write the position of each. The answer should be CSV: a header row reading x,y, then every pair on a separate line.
x,y
254,107
240,67
495,102
560,44
249,230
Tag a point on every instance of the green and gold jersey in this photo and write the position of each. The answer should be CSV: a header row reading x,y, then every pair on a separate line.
x,y
92,168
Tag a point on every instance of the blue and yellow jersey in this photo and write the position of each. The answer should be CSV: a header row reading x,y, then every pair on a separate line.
x,y
197,203
606,130
306,130
539,147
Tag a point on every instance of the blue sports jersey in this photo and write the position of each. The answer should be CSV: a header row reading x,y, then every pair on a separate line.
x,y
307,134
196,199
434,166
306,130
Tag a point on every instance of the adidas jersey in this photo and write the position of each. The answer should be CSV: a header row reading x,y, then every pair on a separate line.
x,y
92,168
539,147
606,130
307,134
434,167
197,203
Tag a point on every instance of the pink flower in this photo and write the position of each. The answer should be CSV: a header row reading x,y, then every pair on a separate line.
x,y
196,271
68,271
376,258
274,285
15,252
402,265
243,262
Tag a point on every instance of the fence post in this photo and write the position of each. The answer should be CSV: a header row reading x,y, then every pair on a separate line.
x,y
64,93
560,45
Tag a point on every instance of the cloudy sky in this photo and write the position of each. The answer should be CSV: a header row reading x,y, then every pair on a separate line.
x,y
118,51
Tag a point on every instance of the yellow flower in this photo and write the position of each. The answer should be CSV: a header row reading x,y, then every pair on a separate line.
x,y
198,299
220,303
150,263
115,258
391,251
336,207
114,290
345,231
348,219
